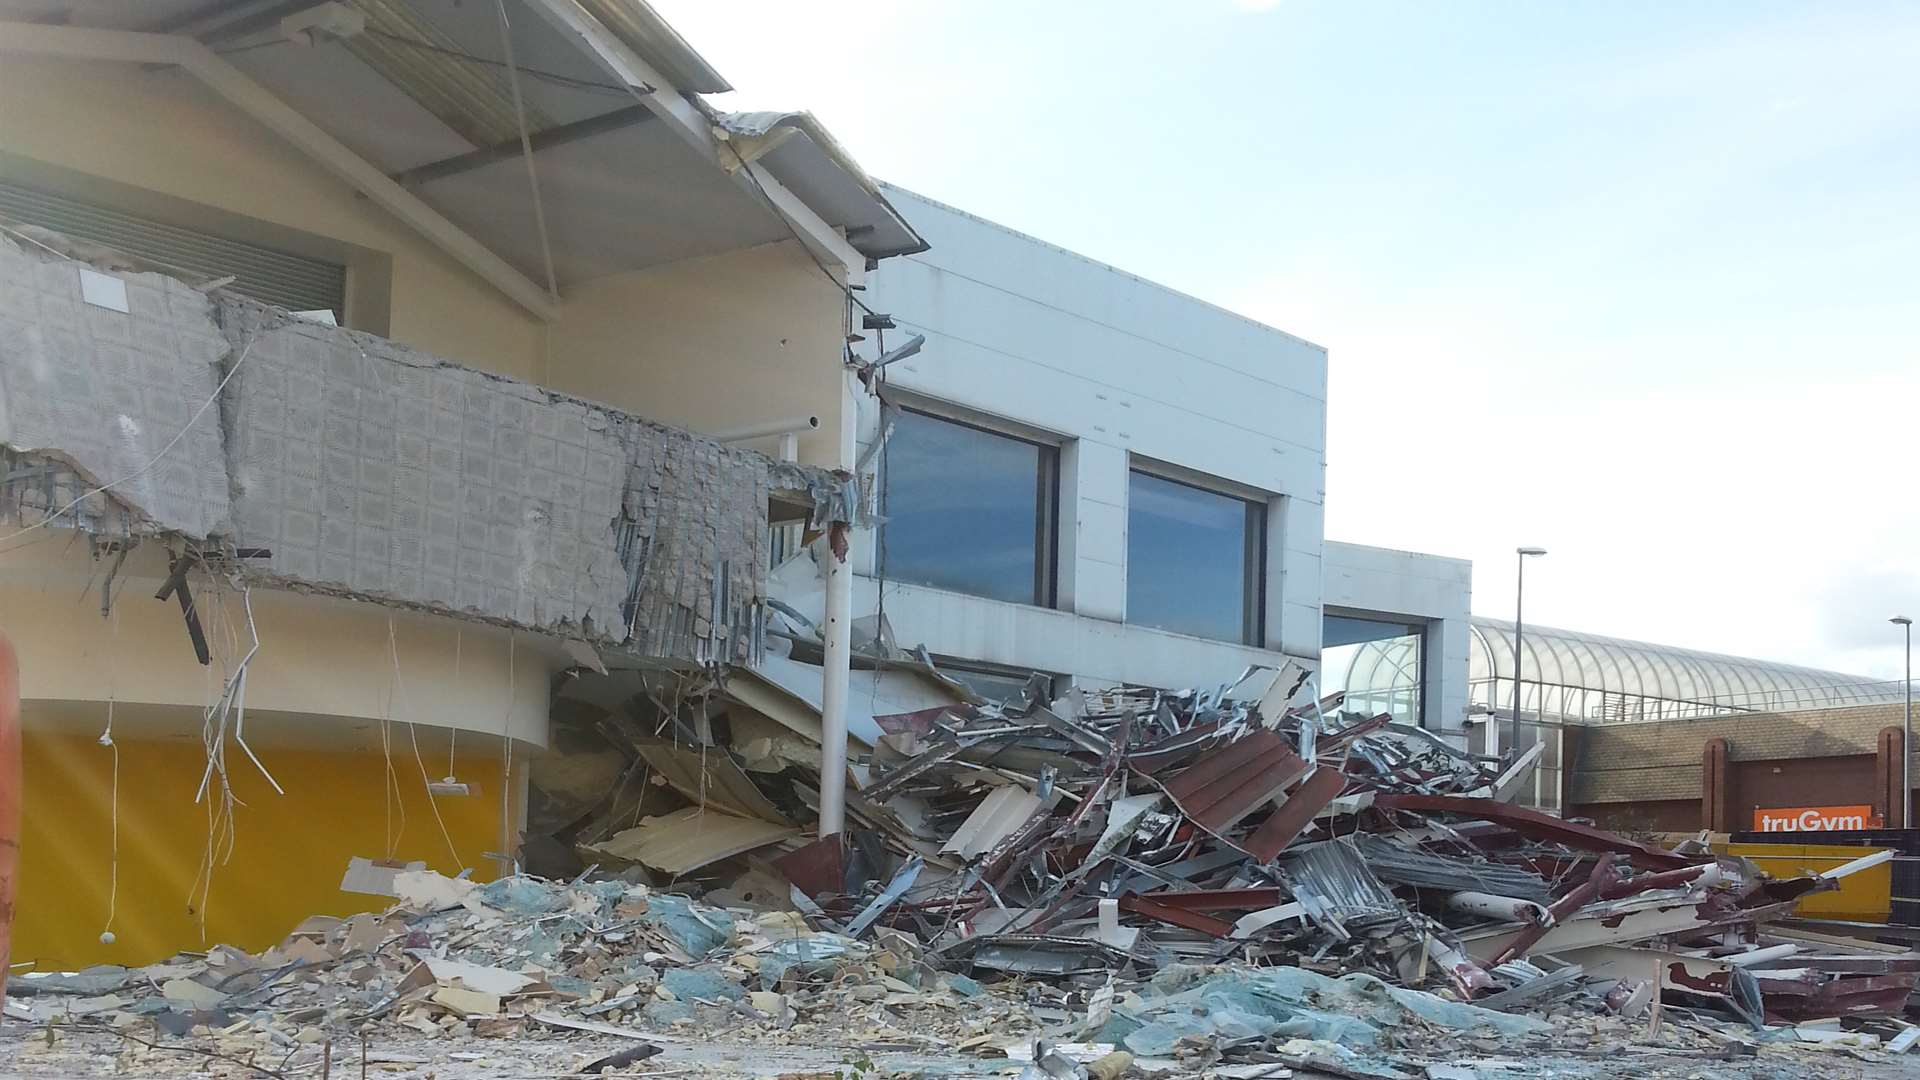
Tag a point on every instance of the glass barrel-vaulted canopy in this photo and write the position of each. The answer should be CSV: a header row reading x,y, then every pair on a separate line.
x,y
1588,678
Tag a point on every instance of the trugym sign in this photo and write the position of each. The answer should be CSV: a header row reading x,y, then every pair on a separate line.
x,y
1815,819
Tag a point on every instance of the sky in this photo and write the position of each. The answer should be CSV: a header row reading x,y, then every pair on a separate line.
x,y
1635,282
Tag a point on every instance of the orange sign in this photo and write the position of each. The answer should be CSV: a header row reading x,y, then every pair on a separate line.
x,y
1815,819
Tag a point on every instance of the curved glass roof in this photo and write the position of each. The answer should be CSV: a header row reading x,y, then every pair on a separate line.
x,y
1594,674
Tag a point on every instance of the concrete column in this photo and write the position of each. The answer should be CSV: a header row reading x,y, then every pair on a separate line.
x,y
1092,520
1444,681
834,678
1295,549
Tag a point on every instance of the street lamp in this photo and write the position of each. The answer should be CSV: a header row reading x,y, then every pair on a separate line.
x,y
1521,555
1906,738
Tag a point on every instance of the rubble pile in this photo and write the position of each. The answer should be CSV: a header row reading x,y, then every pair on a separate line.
x,y
1125,879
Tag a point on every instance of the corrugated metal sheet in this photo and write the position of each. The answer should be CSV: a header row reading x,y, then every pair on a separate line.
x,y
294,282
1332,879
1455,871
1234,780
474,99
1286,822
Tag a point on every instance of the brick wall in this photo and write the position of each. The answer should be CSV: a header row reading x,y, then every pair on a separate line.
x,y
1623,763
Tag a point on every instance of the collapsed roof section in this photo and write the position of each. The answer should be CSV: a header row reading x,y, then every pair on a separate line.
x,y
310,456
543,148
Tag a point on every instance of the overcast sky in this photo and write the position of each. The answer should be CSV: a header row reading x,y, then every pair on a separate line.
x,y
1635,282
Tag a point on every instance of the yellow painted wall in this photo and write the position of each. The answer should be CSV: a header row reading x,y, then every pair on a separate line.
x,y
287,857
712,344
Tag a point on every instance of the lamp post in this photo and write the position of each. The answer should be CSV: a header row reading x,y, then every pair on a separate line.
x,y
1906,737
1521,555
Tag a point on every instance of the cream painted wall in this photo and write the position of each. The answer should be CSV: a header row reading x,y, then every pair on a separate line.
x,y
319,657
712,344
161,131
707,344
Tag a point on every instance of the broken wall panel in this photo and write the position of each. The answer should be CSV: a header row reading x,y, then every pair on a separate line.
x,y
106,392
370,467
366,469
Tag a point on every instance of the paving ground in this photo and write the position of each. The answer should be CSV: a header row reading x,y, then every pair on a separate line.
x,y
27,1053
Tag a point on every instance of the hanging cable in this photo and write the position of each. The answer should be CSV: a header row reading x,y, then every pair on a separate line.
x,y
155,460
453,734
506,769
106,740
426,782
526,151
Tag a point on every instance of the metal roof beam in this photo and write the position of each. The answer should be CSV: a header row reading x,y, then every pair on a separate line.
x,y
690,121
240,91
546,139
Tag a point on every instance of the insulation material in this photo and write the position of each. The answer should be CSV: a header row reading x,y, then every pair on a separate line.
x,y
117,391
689,839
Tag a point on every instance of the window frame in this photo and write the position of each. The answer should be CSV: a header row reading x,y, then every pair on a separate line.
x,y
1046,541
1258,504
367,299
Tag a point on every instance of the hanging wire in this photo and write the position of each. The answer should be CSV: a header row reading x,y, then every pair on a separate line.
x,y
106,740
526,150
506,768
393,651
156,459
453,733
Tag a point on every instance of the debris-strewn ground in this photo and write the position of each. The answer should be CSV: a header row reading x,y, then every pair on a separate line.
x,y
918,1041
528,978
1151,884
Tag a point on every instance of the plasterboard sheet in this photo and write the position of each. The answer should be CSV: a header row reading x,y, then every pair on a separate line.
x,y
869,694
691,838
997,816
709,777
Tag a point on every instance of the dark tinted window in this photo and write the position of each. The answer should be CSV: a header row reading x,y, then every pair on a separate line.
x,y
968,510
1193,560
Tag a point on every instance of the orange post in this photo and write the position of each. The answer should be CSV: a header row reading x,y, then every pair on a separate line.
x,y
9,799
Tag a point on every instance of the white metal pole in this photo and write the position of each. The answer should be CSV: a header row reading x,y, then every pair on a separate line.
x,y
1519,661
1907,736
833,687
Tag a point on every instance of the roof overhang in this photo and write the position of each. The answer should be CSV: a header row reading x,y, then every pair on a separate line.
x,y
413,103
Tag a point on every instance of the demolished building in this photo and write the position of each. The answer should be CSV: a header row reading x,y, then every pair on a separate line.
x,y
358,384
470,496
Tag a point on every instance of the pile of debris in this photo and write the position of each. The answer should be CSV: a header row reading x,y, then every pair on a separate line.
x,y
1137,872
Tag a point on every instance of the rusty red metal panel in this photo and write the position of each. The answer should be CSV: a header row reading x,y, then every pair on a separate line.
x,y
1285,823
1539,826
819,868
1233,780
1192,920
